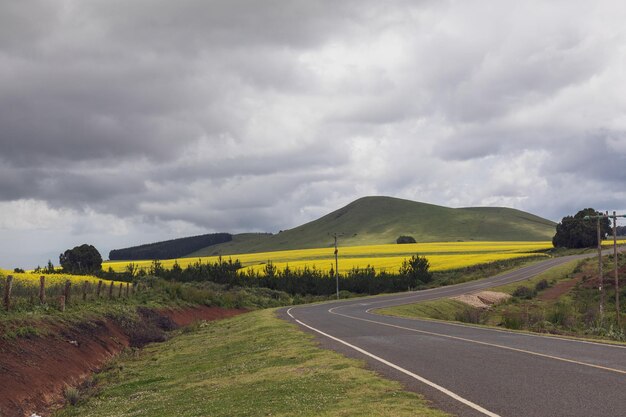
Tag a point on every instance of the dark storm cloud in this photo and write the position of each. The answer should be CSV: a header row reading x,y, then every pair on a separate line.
x,y
244,115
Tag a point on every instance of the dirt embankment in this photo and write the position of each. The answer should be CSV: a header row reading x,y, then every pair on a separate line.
x,y
482,299
34,371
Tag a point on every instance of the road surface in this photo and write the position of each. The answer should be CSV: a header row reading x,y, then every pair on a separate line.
x,y
472,371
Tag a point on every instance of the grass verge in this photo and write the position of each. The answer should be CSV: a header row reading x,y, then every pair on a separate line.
x,y
250,365
561,301
451,310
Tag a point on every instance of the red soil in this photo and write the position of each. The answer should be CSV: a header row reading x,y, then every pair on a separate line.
x,y
559,289
34,371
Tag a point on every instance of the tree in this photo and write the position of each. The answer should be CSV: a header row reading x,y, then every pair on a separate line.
x,y
50,268
81,259
405,239
576,232
416,269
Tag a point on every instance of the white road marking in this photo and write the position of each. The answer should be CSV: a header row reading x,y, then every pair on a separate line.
x,y
404,371
484,343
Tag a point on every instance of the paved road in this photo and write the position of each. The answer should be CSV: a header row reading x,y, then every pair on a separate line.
x,y
472,371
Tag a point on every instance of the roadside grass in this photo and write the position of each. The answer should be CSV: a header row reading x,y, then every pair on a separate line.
x,y
28,319
442,309
475,272
552,276
251,365
570,311
451,310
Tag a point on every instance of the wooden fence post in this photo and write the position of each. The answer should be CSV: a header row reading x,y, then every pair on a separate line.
x,y
127,289
99,289
7,292
85,288
119,294
111,290
66,292
42,289
62,303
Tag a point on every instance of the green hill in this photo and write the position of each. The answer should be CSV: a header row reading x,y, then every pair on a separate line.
x,y
378,220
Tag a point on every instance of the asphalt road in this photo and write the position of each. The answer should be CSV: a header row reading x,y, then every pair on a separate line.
x,y
472,371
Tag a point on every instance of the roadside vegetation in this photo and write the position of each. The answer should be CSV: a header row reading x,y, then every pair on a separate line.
x,y
564,300
250,365
28,316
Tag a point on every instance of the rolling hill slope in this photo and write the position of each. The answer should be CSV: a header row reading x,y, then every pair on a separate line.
x,y
379,220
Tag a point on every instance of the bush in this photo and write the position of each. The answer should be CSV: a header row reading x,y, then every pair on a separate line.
x,y
405,239
469,315
72,395
562,314
417,270
524,293
513,320
541,285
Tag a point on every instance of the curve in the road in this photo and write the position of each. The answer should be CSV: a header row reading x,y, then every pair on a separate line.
x,y
472,370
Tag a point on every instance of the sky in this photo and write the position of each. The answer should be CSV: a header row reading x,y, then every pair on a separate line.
x,y
124,123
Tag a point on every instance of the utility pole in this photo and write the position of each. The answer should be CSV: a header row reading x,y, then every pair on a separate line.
x,y
335,235
600,272
599,216
616,274
601,285
617,311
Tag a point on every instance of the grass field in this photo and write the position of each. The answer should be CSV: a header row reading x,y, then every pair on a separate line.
x,y
250,365
442,256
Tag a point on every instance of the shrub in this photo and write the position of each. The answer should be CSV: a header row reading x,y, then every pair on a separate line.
x,y
417,270
469,315
541,285
523,293
513,320
405,239
71,394
562,314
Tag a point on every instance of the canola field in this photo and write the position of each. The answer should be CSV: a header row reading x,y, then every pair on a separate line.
x,y
442,256
32,279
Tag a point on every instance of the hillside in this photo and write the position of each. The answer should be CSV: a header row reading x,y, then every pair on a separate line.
x,y
379,220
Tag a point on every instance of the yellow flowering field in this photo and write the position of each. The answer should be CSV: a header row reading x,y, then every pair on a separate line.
x,y
442,256
32,278
609,242
392,263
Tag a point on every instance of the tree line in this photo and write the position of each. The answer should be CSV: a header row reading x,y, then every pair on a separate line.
x,y
413,274
169,249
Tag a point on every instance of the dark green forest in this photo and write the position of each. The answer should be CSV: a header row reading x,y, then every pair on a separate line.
x,y
174,248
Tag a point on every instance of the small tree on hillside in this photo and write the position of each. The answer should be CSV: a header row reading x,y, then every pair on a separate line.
x,y
405,239
576,232
417,269
81,259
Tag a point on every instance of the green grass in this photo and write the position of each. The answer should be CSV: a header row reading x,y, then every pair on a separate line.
x,y
450,310
380,220
573,314
443,309
553,275
27,319
250,365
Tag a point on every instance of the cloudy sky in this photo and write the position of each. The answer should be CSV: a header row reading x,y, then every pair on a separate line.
x,y
128,122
